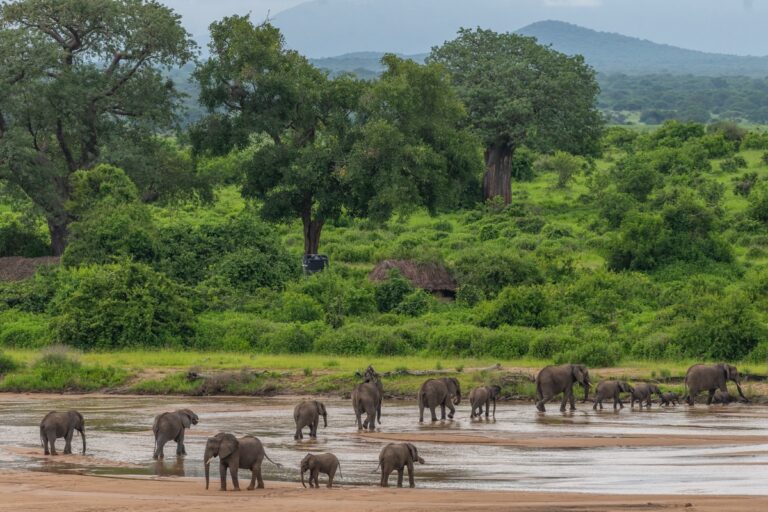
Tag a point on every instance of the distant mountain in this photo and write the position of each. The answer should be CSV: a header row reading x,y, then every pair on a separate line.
x,y
363,64
612,53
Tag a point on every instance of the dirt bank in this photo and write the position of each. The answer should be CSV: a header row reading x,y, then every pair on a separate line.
x,y
55,492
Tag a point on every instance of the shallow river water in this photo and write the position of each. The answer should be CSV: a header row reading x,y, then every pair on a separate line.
x,y
120,441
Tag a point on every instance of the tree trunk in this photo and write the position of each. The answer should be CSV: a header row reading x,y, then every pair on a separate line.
x,y
498,173
58,229
312,230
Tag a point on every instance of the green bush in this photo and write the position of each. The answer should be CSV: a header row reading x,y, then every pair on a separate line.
x,y
454,340
19,329
231,331
290,339
390,293
7,364
358,339
469,295
123,305
415,303
550,342
492,270
594,354
19,238
34,294
297,307
527,306
504,343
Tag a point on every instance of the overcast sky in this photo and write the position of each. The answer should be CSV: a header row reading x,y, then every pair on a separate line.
x,y
320,28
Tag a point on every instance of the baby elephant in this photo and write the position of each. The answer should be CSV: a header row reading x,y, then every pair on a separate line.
x,y
669,399
725,398
397,457
327,463
483,396
611,389
643,392
308,414
61,424
170,426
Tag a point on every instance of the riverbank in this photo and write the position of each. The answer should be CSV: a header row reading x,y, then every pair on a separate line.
x,y
45,492
233,374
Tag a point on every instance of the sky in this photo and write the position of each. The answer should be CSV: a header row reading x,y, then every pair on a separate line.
x,y
320,28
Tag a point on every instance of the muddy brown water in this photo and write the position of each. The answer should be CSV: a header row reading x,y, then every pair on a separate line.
x,y
120,442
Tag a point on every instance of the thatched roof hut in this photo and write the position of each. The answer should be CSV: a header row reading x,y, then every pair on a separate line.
x,y
429,276
14,268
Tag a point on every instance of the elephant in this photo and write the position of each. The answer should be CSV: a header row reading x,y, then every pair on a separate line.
x,y
308,414
554,380
710,378
669,399
366,398
439,392
725,398
327,463
643,392
244,453
171,425
61,424
611,389
483,395
396,457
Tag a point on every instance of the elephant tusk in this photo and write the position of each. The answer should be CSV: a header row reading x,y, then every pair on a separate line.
x,y
208,462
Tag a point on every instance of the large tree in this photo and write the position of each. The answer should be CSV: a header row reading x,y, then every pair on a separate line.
x,y
519,92
78,76
330,145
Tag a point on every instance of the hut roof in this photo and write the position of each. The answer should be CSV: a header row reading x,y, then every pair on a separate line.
x,y
428,276
15,268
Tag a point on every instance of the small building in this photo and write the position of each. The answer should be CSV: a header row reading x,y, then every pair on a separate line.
x,y
14,268
430,276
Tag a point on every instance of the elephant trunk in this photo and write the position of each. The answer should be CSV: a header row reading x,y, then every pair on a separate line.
x,y
208,473
586,390
457,398
325,420
421,461
82,434
302,478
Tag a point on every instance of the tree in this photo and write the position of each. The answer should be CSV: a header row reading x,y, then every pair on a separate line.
x,y
330,145
519,92
78,76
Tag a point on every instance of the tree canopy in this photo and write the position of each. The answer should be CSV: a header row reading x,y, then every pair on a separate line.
x,y
519,92
78,77
327,146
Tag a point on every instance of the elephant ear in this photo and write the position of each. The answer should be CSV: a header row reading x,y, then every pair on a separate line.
x,y
186,421
731,373
228,446
320,408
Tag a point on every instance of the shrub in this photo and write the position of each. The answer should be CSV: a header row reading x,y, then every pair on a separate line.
x,y
34,294
492,270
522,164
230,331
357,339
7,364
454,340
550,342
290,339
758,202
297,307
18,238
120,306
565,165
24,330
469,295
527,306
504,343
390,293
743,186
595,354
415,303
733,164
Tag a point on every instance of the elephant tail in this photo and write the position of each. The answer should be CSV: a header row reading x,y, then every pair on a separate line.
x,y
539,394
377,467
273,462
42,442
339,466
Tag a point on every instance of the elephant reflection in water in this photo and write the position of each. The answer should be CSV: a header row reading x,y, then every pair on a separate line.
x,y
176,468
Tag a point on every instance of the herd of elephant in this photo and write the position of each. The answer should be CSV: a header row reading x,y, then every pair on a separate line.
x,y
248,453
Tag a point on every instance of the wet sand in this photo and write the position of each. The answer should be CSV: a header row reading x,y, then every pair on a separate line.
x,y
55,492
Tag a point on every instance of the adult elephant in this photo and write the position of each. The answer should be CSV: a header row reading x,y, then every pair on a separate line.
x,y
244,453
483,395
308,414
439,392
61,424
366,398
396,457
701,377
553,380
171,426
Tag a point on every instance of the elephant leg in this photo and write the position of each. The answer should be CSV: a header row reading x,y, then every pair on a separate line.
x,y
544,399
316,474
68,442
252,485
487,407
400,472
421,411
235,479
44,440
711,396
594,406
331,475
442,411
411,483
371,420
180,444
297,435
358,415
313,430
564,401
453,410
572,399
223,476
385,472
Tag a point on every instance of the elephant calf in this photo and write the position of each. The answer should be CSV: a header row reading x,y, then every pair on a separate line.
x,y
669,399
308,414
611,389
244,453
439,392
61,424
483,396
397,457
643,392
327,463
725,398
171,426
